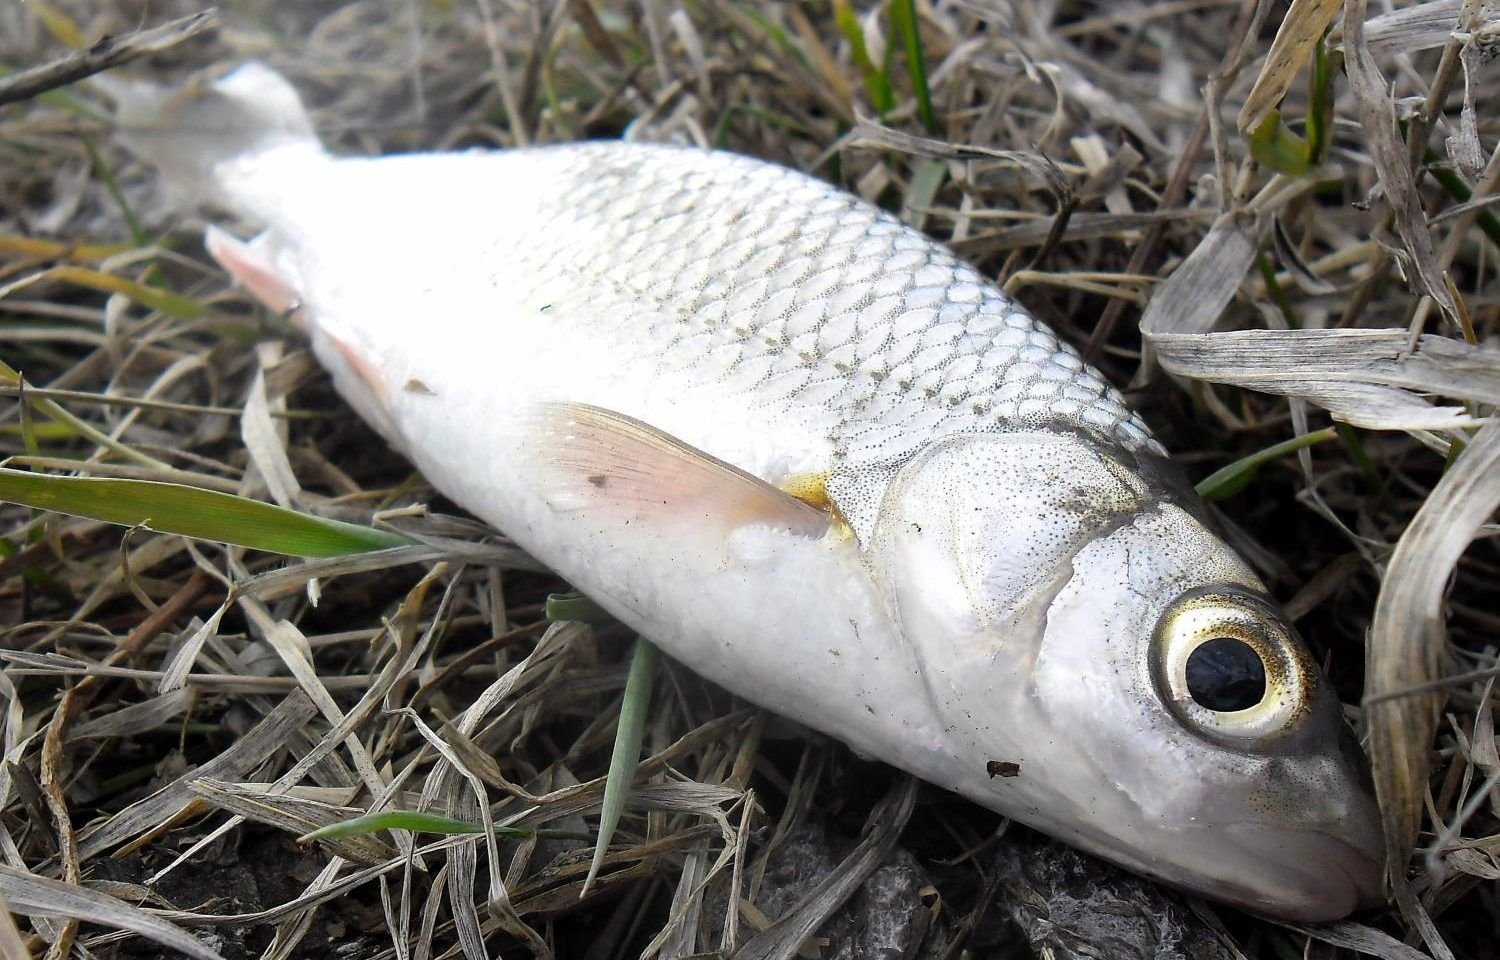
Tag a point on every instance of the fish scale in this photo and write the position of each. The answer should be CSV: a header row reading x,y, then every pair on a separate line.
x,y
781,287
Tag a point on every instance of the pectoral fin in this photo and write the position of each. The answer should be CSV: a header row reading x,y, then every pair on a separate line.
x,y
587,458
248,264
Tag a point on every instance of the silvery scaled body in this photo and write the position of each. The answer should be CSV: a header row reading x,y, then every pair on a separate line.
x,y
819,460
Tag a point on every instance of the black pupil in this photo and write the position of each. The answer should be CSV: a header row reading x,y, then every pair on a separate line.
x,y
1225,674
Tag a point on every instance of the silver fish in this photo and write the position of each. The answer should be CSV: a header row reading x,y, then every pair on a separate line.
x,y
818,459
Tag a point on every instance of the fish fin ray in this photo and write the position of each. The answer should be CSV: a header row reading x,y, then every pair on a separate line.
x,y
611,464
248,264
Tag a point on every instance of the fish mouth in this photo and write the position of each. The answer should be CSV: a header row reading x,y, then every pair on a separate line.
x,y
1302,875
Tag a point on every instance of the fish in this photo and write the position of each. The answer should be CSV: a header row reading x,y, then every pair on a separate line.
x,y
818,459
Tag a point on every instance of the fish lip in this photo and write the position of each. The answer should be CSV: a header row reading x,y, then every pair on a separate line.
x,y
1302,875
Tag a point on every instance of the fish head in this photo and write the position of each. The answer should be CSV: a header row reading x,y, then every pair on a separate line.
x,y
1106,668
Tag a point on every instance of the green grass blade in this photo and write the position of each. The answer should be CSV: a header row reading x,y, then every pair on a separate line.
x,y
904,25
15,245
1276,291
1455,187
193,512
877,83
926,180
1276,147
177,307
11,378
1319,104
629,735
63,28
1227,481
137,232
575,607
1361,456
403,820
775,33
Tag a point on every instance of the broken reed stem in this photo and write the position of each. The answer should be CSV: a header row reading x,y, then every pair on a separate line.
x,y
105,54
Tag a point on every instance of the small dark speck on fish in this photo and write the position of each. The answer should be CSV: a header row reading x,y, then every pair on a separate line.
x,y
599,480
1002,768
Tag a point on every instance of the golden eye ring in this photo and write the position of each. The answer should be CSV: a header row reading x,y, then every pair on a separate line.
x,y
1228,668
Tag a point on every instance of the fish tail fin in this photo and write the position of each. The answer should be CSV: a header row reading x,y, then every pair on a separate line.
x,y
206,134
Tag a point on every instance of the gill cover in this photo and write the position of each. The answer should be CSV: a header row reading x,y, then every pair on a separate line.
x,y
977,532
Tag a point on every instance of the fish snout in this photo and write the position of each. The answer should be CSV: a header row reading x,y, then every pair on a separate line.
x,y
1321,856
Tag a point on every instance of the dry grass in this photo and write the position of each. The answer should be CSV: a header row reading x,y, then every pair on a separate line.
x,y
177,712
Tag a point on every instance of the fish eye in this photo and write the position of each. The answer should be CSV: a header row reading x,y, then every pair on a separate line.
x,y
1229,669
1225,674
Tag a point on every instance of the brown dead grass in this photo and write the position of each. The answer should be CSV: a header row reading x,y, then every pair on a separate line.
x,y
1074,158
